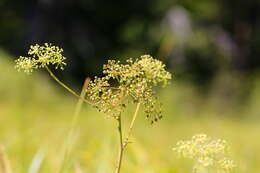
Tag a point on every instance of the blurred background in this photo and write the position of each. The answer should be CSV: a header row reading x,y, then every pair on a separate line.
x,y
210,46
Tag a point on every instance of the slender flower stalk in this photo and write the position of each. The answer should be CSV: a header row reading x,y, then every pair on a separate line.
x,y
131,125
66,87
124,143
121,147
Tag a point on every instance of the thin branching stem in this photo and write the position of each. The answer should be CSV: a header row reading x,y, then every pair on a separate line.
x,y
131,125
121,148
123,144
66,87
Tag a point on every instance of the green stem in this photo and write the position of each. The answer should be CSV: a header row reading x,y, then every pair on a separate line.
x,y
131,125
66,87
121,148
123,145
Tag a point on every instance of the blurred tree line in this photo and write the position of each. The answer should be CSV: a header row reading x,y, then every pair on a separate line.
x,y
198,39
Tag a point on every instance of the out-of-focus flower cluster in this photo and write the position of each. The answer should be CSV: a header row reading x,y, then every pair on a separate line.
x,y
41,57
134,80
206,152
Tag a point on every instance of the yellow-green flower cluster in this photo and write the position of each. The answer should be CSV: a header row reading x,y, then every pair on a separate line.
x,y
206,152
105,98
26,64
134,80
151,70
41,57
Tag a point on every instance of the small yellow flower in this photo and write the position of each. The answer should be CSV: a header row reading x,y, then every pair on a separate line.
x,y
25,64
34,50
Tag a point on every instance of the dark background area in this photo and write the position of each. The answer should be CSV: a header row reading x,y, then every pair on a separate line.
x,y
197,39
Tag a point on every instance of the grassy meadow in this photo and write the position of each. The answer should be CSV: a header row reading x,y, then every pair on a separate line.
x,y
36,113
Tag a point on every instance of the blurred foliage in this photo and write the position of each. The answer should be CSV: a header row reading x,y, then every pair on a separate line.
x,y
89,31
231,29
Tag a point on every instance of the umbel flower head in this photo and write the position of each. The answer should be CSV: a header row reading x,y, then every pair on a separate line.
x,y
41,57
206,152
132,82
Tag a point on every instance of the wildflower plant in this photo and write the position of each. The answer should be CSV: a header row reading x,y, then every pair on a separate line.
x,y
206,152
121,84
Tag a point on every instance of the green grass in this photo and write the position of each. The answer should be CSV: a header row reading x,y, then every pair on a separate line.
x,y
35,116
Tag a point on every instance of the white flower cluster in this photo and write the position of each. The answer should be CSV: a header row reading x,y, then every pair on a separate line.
x,y
206,152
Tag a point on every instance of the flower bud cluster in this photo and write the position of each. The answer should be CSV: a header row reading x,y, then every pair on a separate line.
x,y
134,80
206,152
41,57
